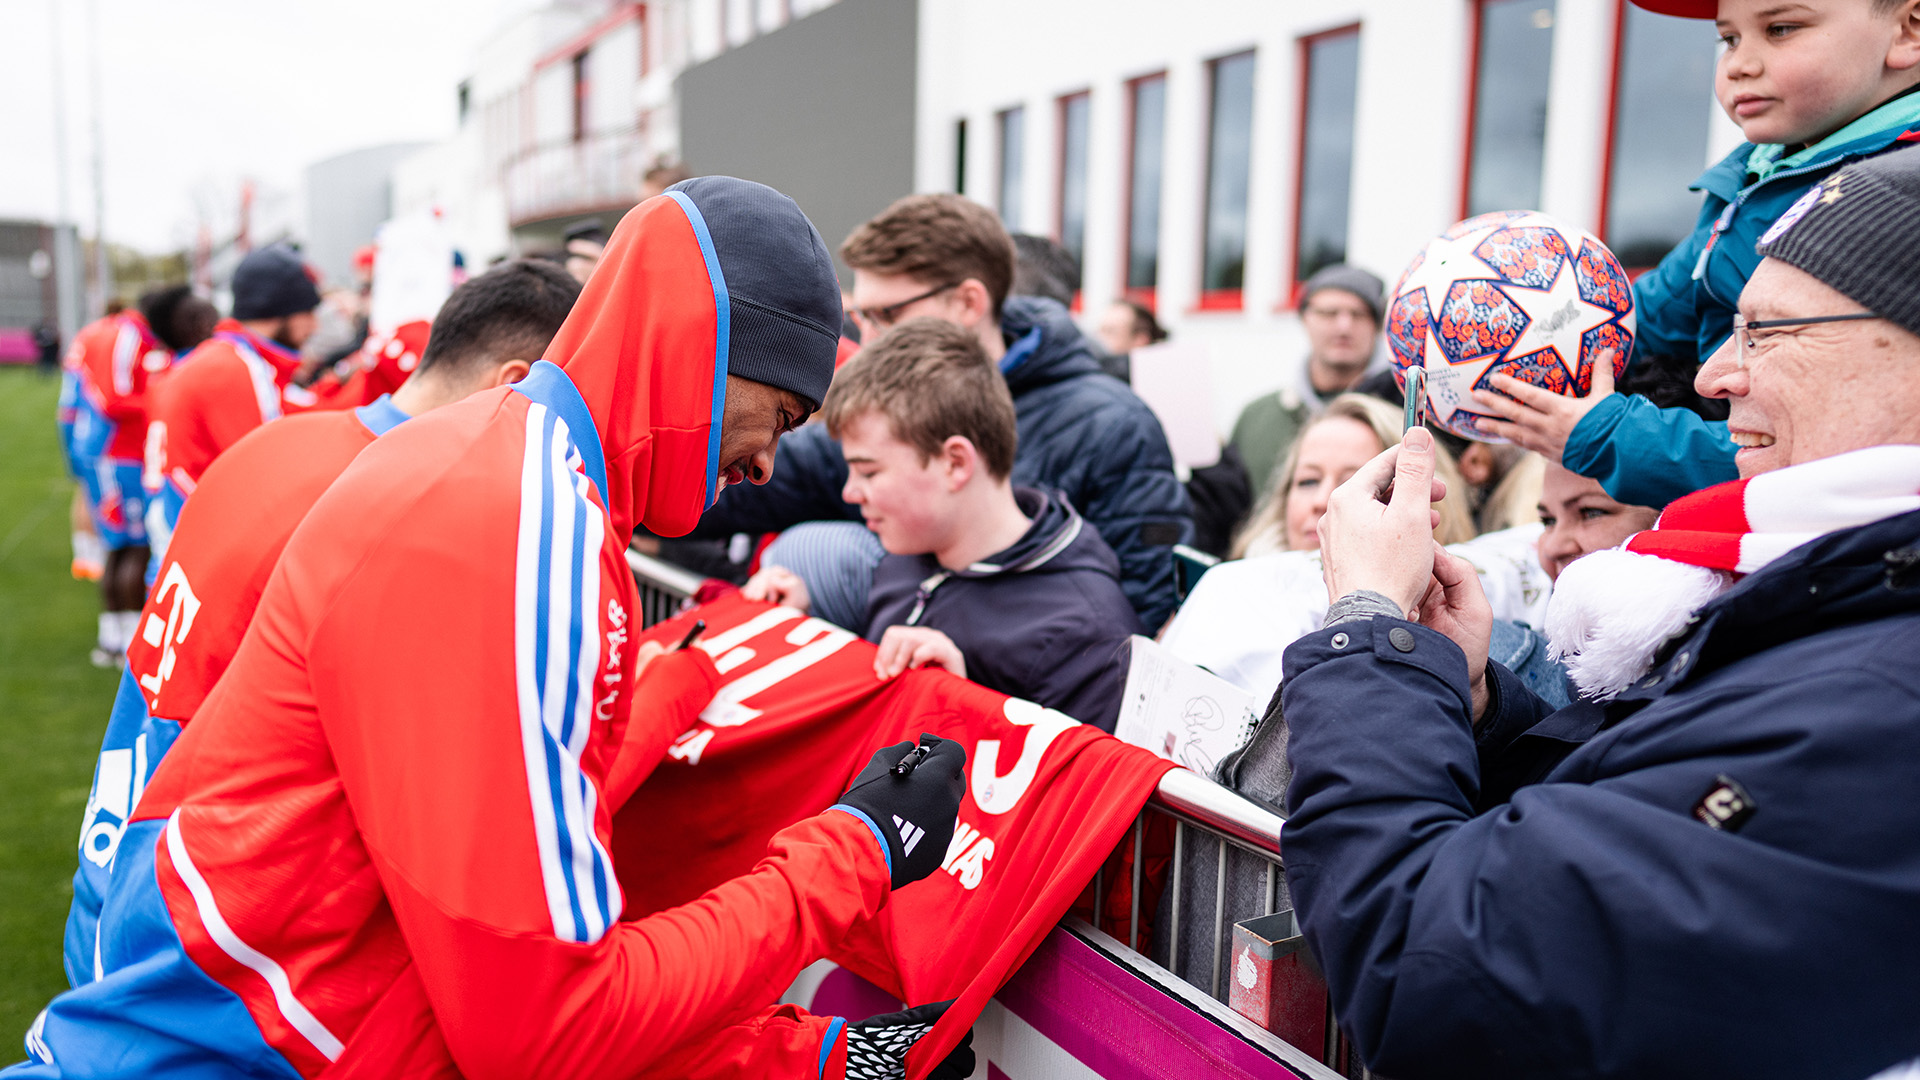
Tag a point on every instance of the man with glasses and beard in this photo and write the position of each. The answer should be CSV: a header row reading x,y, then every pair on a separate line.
x,y
233,382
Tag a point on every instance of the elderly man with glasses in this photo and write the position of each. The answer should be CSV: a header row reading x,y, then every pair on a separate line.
x,y
1706,866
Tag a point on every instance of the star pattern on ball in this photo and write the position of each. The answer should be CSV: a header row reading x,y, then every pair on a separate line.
x,y
1514,293
1560,313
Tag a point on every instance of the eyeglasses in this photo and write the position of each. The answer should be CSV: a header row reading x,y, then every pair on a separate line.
x,y
882,317
1745,329
1323,314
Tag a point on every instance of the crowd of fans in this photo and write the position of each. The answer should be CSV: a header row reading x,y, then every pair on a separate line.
x,y
1600,740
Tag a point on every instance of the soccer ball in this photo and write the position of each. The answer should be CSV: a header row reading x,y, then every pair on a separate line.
x,y
1514,292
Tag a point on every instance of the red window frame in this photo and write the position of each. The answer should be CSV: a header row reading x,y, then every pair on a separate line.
x,y
1613,120
1474,13
1146,296
1060,105
584,40
1222,299
1290,292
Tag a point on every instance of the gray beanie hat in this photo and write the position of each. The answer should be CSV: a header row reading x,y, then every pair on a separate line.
x,y
1859,231
1370,289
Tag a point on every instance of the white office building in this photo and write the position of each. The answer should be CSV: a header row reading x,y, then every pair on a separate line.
x,y
1207,156
1204,156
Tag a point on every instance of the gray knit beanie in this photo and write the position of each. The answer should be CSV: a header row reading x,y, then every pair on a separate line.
x,y
1859,231
1369,288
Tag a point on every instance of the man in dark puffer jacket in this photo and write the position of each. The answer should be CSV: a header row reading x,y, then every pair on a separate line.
x,y
1082,432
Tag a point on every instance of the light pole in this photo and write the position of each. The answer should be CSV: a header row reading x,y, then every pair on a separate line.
x,y
66,256
103,269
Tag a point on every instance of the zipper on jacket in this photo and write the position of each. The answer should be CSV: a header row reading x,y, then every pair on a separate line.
x,y
925,593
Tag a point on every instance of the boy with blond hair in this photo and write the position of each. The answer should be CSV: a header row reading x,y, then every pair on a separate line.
x,y
1004,585
1814,85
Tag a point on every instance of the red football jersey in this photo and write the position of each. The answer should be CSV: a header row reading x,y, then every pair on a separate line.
x,y
116,357
797,717
232,383
224,548
384,362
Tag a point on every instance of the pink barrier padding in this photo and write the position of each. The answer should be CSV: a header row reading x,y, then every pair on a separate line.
x,y
1117,1025
17,347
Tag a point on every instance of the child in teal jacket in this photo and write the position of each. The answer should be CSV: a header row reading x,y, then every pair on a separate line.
x,y
1795,86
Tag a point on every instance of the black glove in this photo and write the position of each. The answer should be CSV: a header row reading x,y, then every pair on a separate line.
x,y
877,1048
915,812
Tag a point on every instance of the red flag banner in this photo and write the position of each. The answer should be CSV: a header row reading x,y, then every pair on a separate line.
x,y
798,715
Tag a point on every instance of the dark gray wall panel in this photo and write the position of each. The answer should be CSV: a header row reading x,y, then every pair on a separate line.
x,y
821,109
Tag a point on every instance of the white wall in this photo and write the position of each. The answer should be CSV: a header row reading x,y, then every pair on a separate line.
x,y
981,56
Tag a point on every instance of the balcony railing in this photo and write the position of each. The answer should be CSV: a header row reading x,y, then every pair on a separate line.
x,y
598,172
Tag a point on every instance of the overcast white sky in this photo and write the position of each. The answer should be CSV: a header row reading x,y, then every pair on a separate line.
x,y
199,93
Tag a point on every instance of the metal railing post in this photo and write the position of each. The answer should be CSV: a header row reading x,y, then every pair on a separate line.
x,y
1139,829
1219,913
1173,931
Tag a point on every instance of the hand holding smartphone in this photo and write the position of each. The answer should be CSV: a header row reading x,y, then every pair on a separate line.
x,y
1415,416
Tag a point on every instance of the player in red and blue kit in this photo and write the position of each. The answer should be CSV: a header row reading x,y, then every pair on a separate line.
x,y
381,845
110,367
231,533
239,379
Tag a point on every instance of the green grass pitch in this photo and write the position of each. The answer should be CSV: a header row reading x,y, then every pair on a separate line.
x,y
53,703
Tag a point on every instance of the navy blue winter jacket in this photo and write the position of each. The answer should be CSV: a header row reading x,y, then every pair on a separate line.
x,y
1082,432
1624,918
1043,620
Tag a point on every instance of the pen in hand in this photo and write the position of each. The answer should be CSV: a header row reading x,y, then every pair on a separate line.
x,y
912,761
693,635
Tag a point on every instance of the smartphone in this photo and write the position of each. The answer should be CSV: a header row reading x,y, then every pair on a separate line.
x,y
1416,399
1415,415
1188,565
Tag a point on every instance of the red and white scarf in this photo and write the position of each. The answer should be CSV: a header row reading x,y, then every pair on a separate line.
x,y
1612,610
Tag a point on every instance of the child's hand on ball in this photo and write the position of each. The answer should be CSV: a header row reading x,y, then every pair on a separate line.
x,y
1541,420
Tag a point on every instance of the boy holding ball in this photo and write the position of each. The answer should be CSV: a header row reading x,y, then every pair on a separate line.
x,y
1814,85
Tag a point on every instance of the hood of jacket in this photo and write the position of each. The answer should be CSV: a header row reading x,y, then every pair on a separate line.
x,y
1876,131
648,341
1043,344
1058,540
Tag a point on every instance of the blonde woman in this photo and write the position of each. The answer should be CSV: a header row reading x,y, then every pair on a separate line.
x,y
1243,614
1351,432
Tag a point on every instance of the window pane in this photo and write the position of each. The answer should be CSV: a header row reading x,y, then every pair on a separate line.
x,y
1143,211
1013,139
1510,105
1326,152
1660,134
1073,176
1229,144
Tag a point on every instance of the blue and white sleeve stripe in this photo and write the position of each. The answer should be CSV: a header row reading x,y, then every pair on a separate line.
x,y
556,659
